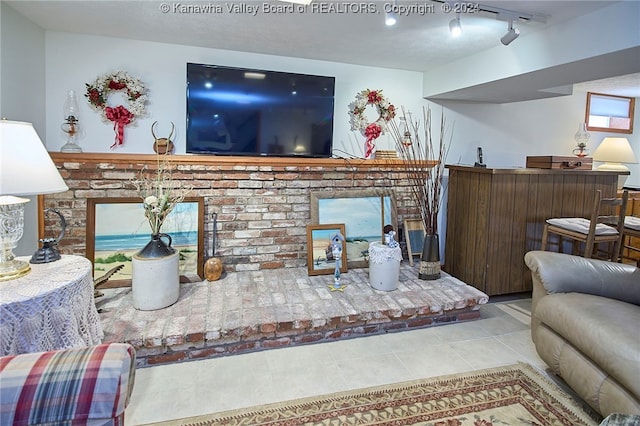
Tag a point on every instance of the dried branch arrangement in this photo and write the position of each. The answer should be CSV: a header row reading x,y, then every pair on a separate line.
x,y
415,146
159,192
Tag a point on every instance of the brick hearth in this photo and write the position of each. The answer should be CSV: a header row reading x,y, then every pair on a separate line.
x,y
257,310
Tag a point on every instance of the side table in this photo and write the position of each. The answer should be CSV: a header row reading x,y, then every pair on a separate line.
x,y
50,308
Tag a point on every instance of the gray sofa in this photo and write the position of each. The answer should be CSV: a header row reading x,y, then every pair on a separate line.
x,y
585,324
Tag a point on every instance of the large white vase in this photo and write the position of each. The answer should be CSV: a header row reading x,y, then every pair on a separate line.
x,y
384,266
155,281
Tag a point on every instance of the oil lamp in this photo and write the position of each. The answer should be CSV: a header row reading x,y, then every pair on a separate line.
x,y
70,126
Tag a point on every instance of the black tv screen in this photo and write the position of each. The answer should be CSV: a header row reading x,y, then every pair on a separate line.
x,y
236,111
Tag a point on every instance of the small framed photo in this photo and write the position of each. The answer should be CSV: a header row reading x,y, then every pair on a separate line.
x,y
321,255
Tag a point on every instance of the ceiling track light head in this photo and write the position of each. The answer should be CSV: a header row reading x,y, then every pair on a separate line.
x,y
511,34
390,19
454,26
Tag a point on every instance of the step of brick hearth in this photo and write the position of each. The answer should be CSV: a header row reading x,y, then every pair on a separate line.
x,y
257,310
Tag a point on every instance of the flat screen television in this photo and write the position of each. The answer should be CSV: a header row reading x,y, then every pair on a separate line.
x,y
237,111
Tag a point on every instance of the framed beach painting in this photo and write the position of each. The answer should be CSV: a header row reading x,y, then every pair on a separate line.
x,y
321,258
364,214
117,229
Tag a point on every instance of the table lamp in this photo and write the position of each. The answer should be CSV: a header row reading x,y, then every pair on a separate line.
x,y
25,169
613,152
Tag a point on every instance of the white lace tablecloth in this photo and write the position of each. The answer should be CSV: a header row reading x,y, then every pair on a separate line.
x,y
380,253
50,308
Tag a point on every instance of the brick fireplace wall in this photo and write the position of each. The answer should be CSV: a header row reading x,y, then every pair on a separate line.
x,y
262,204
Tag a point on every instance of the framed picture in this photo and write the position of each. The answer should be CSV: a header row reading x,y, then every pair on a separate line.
x,y
321,258
414,236
117,229
364,214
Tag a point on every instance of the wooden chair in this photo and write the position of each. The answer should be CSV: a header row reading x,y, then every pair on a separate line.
x,y
605,225
631,230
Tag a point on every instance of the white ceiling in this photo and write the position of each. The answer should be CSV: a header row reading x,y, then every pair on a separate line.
x,y
417,42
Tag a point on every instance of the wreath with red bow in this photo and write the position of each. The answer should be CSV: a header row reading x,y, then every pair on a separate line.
x,y
98,92
386,112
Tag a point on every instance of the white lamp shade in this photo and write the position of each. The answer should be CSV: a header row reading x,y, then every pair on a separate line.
x,y
25,165
614,150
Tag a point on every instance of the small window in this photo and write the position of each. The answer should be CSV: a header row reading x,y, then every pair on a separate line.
x,y
609,113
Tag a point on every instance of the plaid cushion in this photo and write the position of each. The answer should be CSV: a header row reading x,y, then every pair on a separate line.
x,y
84,386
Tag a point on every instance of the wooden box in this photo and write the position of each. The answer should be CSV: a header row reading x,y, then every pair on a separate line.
x,y
559,162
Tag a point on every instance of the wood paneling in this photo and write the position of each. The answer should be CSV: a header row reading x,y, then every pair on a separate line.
x,y
494,216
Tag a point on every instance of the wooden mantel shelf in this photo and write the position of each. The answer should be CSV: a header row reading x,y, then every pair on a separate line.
x,y
218,160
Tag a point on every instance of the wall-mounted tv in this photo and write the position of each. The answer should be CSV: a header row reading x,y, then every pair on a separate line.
x,y
237,111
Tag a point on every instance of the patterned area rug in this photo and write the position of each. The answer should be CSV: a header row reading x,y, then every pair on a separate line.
x,y
513,395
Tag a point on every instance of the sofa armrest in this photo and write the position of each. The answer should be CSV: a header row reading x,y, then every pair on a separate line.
x,y
79,386
564,273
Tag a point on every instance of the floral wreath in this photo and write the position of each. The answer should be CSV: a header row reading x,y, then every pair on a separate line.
x,y
98,92
386,112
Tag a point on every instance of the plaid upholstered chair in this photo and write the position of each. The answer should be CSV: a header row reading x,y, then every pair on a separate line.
x,y
88,386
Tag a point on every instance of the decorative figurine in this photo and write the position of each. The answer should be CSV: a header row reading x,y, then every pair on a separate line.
x,y
163,145
388,236
336,251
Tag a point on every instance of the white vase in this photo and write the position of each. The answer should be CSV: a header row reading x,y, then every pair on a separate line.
x,y
155,275
384,266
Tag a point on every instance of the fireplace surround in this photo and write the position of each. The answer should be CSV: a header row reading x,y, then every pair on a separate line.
x,y
262,204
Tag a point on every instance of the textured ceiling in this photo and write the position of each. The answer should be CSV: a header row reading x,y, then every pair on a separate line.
x,y
349,32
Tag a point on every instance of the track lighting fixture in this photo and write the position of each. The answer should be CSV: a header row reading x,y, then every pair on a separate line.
x,y
501,14
511,35
454,26
390,19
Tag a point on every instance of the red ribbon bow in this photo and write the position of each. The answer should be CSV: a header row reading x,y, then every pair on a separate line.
x,y
120,117
372,132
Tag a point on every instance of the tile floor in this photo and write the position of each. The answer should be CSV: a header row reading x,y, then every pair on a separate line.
x,y
500,337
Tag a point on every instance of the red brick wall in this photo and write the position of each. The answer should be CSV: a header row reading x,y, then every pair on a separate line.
x,y
262,204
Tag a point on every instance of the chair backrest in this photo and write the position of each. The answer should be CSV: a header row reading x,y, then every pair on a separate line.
x,y
610,211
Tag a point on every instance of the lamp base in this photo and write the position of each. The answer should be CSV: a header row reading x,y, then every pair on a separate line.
x,y
13,269
616,167
11,228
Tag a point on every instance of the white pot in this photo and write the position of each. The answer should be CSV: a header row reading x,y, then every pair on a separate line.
x,y
155,282
384,266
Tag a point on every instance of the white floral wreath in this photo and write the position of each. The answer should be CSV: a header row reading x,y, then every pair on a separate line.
x,y
386,112
99,91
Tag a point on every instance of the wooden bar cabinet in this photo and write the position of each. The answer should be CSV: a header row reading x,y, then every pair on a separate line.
x,y
495,216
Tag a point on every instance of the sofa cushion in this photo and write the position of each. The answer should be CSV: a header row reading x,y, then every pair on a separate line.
x,y
603,329
564,273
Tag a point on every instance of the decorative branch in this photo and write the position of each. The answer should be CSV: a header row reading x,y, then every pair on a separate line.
x,y
425,182
159,192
